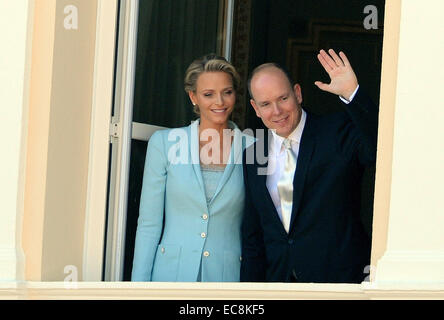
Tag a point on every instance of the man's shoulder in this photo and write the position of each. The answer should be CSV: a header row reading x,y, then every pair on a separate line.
x,y
326,124
328,118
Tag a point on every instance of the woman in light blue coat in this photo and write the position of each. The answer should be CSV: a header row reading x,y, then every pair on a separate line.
x,y
192,198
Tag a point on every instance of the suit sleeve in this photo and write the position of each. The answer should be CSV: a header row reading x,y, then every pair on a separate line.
x,y
364,115
253,263
151,210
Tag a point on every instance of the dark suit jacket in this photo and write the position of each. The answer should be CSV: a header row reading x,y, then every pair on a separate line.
x,y
327,241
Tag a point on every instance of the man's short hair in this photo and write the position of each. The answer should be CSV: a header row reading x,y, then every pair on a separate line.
x,y
266,66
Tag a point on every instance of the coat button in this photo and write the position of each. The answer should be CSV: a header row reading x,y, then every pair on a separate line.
x,y
290,241
240,258
163,249
206,254
205,216
203,235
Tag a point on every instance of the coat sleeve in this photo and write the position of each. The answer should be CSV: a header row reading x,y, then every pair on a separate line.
x,y
151,210
364,115
253,264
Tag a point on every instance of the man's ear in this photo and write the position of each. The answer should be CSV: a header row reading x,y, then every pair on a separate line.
x,y
298,93
192,97
255,107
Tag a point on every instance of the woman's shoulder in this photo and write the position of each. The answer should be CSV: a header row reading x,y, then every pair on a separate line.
x,y
163,140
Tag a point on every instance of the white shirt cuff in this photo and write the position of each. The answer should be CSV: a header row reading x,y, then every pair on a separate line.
x,y
351,97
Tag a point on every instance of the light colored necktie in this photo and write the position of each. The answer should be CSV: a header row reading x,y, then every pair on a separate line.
x,y
285,185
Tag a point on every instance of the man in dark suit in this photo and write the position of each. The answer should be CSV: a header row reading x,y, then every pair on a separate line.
x,y
302,221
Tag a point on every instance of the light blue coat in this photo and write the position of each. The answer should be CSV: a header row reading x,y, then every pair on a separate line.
x,y
177,231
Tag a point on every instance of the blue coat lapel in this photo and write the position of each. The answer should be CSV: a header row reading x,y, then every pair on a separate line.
x,y
240,142
194,150
235,158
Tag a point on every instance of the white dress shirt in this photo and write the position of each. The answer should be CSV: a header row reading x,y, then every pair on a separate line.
x,y
277,157
276,162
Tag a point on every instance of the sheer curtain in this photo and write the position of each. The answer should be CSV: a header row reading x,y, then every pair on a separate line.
x,y
172,33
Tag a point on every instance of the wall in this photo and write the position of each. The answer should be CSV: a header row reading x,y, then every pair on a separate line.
x,y
415,240
15,32
386,126
408,197
62,77
38,132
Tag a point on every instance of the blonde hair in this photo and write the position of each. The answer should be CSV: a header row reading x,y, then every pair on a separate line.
x,y
208,63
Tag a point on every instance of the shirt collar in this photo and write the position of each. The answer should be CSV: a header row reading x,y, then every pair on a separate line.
x,y
295,136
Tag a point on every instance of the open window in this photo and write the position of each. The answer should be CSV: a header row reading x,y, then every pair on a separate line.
x,y
158,39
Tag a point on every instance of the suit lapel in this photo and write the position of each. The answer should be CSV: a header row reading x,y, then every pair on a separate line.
x,y
235,153
235,157
194,150
260,169
305,153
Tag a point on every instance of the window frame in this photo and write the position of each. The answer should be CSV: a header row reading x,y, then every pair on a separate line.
x,y
97,182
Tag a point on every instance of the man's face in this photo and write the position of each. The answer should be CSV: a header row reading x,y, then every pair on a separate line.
x,y
275,101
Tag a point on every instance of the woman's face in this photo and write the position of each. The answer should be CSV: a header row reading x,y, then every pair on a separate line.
x,y
215,97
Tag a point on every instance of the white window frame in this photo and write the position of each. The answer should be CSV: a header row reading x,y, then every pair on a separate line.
x,y
120,129
96,201
96,205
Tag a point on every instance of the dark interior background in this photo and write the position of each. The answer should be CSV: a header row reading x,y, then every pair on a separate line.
x,y
291,32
